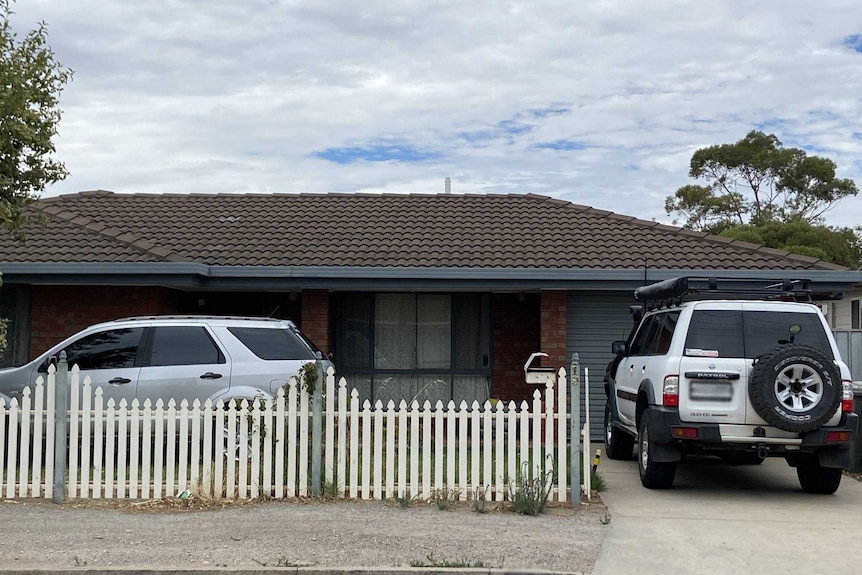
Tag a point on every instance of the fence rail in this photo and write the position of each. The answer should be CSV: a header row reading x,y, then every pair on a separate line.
x,y
260,447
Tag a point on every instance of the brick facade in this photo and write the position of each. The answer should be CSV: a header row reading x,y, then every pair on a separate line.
x,y
515,325
56,312
553,333
523,324
315,317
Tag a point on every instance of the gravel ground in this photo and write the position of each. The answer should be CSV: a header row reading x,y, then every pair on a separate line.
x,y
42,535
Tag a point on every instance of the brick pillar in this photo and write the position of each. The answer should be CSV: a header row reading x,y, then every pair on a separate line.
x,y
552,339
315,317
515,321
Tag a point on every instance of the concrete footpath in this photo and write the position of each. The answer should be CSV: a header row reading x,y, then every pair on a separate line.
x,y
729,519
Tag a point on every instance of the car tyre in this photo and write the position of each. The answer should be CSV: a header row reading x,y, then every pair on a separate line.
x,y
653,474
814,478
795,387
618,443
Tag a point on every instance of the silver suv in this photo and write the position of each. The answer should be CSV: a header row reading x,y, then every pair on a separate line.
x,y
744,379
188,357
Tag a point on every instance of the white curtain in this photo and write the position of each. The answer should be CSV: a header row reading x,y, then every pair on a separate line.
x,y
434,331
395,331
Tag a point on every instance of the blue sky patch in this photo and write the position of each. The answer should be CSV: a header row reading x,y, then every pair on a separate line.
x,y
549,112
513,127
771,125
376,152
564,145
854,42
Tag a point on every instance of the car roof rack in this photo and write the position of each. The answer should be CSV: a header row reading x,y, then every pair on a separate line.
x,y
202,317
674,291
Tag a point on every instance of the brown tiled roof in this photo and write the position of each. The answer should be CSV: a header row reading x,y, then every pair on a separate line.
x,y
466,231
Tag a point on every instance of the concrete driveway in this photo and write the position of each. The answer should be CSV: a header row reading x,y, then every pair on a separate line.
x,y
728,519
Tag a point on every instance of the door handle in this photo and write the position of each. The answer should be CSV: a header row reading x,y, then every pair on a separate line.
x,y
211,375
119,381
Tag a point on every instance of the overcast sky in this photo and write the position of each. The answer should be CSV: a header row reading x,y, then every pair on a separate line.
x,y
600,103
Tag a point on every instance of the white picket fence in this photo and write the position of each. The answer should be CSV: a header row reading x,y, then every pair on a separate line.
x,y
143,451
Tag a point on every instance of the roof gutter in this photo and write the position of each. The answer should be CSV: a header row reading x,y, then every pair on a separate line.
x,y
201,276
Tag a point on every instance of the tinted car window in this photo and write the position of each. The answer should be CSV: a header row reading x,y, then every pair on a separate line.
x,y
715,331
665,326
640,344
184,345
718,330
272,344
113,349
766,329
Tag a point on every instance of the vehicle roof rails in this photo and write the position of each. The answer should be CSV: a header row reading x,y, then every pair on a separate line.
x,y
689,288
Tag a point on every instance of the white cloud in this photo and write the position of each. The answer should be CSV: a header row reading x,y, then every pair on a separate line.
x,y
225,96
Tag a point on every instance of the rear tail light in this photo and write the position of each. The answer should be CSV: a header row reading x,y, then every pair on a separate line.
x,y
684,432
670,391
837,436
847,396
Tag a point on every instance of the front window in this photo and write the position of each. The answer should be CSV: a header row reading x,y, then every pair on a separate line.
x,y
394,346
113,349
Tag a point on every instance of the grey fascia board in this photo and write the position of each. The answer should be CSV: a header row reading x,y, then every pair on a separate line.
x,y
196,274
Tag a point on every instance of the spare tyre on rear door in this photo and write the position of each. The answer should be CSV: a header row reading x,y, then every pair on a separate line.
x,y
795,387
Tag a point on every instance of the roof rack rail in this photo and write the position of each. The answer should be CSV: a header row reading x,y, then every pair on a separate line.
x,y
196,317
689,288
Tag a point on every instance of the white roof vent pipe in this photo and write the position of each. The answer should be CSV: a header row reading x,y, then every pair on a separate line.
x,y
448,186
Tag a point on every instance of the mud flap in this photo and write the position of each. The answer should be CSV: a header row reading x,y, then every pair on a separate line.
x,y
834,457
664,452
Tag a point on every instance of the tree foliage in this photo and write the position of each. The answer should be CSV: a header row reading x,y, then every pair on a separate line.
x,y
756,181
839,246
31,80
758,191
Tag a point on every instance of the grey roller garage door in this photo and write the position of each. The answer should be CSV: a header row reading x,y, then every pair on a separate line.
x,y
594,320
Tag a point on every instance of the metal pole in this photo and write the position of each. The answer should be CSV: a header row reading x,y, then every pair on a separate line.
x,y
61,423
574,428
316,432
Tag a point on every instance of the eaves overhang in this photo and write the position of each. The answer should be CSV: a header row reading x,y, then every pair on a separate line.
x,y
196,276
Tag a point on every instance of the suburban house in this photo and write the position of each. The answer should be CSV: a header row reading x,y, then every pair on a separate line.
x,y
416,296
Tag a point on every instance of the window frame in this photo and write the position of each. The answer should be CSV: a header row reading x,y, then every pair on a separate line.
x,y
451,373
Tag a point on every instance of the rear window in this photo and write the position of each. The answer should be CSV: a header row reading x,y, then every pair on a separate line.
x,y
716,332
272,344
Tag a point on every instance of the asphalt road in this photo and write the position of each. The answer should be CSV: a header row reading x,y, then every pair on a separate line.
x,y
729,519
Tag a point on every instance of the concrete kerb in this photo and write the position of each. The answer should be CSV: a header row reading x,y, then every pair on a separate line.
x,y
291,570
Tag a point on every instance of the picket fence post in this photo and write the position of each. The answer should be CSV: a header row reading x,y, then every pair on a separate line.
x,y
60,426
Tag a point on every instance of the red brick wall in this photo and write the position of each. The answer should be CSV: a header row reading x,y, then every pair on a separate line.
x,y
524,324
553,331
516,329
56,312
315,317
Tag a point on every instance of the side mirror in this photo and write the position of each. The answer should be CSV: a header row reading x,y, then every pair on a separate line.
x,y
618,347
